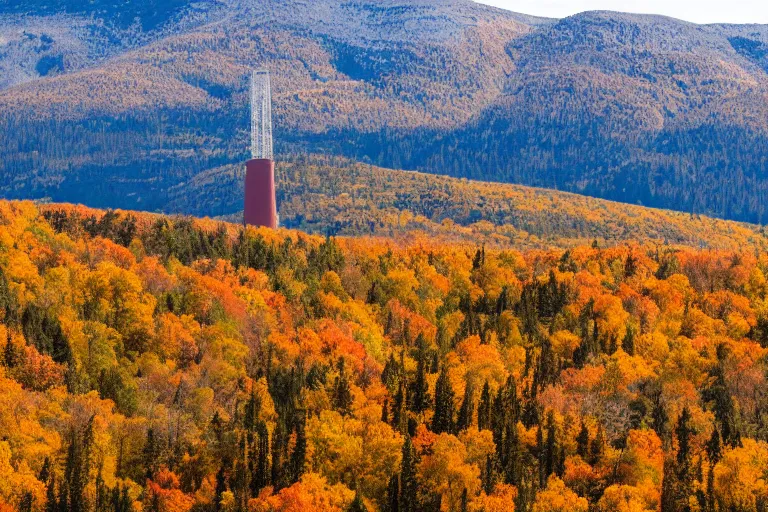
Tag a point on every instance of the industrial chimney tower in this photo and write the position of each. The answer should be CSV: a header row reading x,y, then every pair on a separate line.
x,y
260,204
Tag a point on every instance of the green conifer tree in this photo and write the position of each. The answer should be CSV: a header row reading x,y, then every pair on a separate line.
x,y
442,421
467,410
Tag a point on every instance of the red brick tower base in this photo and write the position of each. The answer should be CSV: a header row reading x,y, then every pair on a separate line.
x,y
260,204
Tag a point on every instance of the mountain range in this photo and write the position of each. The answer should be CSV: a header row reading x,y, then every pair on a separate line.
x,y
126,104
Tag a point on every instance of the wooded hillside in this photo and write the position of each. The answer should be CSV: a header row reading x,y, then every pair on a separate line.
x,y
166,364
338,197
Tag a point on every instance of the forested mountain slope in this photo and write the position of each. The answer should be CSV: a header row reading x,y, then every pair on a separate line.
x,y
41,38
334,196
178,365
642,109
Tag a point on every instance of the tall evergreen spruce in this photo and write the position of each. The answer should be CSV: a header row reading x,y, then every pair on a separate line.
x,y
240,483
419,394
50,494
551,450
26,502
393,494
484,409
44,331
719,395
299,454
597,448
684,460
45,470
582,442
261,473
219,490
466,411
8,301
541,456
357,504
714,454
498,419
590,345
628,342
669,486
278,440
409,484
342,394
400,409
390,376
10,355
442,421
72,495
547,369
150,453
102,493
252,410
511,453
488,476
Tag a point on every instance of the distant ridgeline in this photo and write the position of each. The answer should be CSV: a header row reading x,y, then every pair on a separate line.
x,y
642,109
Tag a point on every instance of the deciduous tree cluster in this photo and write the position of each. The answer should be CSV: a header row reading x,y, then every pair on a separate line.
x,y
166,364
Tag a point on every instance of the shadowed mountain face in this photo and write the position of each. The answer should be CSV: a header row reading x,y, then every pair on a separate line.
x,y
124,110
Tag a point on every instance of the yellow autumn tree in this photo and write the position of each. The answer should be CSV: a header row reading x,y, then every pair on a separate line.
x,y
556,497
740,477
444,471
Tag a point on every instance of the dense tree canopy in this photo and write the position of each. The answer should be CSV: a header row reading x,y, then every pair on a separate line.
x,y
169,364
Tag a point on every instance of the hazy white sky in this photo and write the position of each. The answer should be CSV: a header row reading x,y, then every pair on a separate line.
x,y
698,11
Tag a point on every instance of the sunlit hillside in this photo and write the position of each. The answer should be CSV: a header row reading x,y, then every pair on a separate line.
x,y
338,197
169,364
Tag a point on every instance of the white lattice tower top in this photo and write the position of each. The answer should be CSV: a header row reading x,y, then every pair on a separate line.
x,y
261,115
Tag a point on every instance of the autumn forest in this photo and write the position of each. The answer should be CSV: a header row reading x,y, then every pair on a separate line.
x,y
152,363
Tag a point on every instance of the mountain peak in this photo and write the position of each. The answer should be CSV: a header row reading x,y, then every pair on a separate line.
x,y
639,108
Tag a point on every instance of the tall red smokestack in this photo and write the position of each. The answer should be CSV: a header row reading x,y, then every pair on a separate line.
x,y
260,207
260,204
